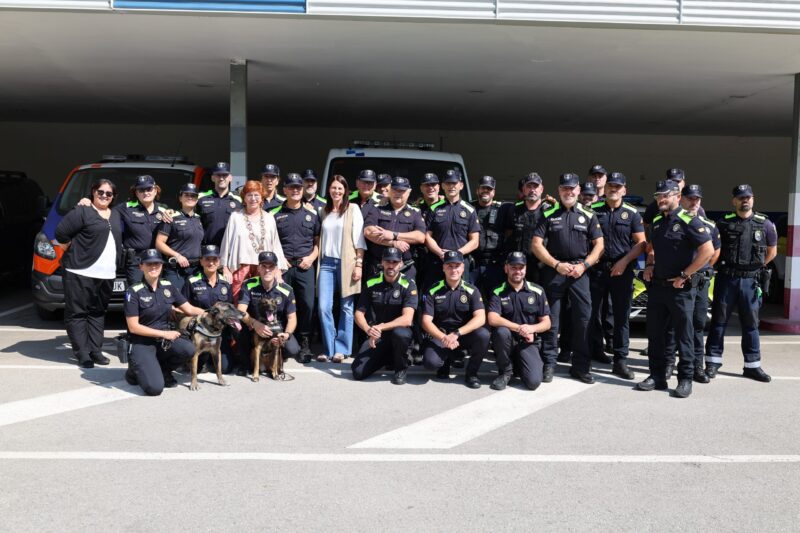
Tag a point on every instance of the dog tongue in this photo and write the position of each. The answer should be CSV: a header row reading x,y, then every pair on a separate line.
x,y
237,326
270,317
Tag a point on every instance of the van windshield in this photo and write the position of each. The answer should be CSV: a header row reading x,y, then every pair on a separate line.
x,y
169,179
413,169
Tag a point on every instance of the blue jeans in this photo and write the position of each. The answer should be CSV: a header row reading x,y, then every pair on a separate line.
x,y
335,339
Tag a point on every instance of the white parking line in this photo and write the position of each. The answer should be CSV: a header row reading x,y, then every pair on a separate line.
x,y
16,309
476,418
392,457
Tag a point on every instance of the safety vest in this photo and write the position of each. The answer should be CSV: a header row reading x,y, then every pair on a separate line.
x,y
744,241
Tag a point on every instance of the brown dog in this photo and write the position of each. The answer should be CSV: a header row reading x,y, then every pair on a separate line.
x,y
205,331
267,354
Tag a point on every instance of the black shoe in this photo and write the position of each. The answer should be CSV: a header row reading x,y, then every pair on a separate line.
x,y
621,369
399,377
99,359
130,377
650,384
443,372
500,382
711,371
241,371
684,389
757,374
85,362
304,356
472,382
700,376
547,373
603,358
668,372
564,357
169,381
580,376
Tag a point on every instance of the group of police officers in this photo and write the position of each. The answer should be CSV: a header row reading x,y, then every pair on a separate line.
x,y
545,266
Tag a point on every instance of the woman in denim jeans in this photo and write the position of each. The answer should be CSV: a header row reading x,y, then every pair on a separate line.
x,y
341,251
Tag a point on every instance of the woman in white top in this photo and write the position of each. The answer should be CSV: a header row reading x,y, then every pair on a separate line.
x,y
341,250
248,233
91,237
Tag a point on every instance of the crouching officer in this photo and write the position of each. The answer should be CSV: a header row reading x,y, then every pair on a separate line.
x,y
518,311
749,243
454,317
680,245
257,294
385,313
156,350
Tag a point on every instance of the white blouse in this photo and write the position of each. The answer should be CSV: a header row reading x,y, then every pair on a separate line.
x,y
106,265
237,250
331,234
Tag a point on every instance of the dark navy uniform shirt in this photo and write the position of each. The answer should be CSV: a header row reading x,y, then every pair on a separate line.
x,y
652,211
274,202
524,222
618,227
139,227
152,306
382,301
524,306
366,206
384,216
675,237
184,234
214,211
318,203
199,292
494,220
296,229
282,294
568,233
451,223
715,237
452,308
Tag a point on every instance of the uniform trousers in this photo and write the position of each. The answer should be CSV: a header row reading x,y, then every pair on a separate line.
x,y
149,361
487,276
302,281
557,288
390,352
512,352
85,304
620,290
435,356
743,294
670,307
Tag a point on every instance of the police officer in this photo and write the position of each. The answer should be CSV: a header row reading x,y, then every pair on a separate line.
x,y
612,277
269,180
495,219
180,238
365,196
266,286
598,176
527,214
574,244
156,350
453,318
206,288
588,194
429,187
382,185
676,175
749,243
298,229
385,312
680,245
452,225
518,311
310,195
216,205
394,224
141,216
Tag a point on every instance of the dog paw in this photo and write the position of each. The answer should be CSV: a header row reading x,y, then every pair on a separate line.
x,y
222,383
194,386
255,378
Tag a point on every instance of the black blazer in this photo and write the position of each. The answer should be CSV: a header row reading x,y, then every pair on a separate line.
x,y
88,233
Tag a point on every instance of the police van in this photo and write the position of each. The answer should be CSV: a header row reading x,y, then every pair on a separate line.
x,y
412,160
170,172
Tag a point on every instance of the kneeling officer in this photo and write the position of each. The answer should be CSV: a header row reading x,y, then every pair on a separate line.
x,y
385,313
518,310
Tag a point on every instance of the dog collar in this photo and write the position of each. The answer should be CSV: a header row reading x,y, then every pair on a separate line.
x,y
203,331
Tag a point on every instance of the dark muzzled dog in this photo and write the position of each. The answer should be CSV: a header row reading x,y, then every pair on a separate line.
x,y
205,331
267,352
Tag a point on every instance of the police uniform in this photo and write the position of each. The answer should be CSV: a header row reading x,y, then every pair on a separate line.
x,y
568,236
185,237
700,315
139,229
451,309
381,302
494,220
252,292
524,222
215,210
651,211
738,285
152,360
269,204
318,203
375,199
297,229
523,306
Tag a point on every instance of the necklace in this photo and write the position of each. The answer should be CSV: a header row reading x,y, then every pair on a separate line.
x,y
258,244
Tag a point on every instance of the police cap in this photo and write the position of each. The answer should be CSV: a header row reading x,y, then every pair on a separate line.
x,y
453,256
568,180
516,258
616,178
145,181
292,179
271,169
366,175
533,177
188,188
665,186
209,250
487,181
742,190
384,179
430,177
391,254
267,257
308,174
151,256
588,188
597,169
222,168
452,176
400,183
692,191
675,174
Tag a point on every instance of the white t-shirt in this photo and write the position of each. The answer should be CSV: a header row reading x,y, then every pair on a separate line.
x,y
332,228
106,265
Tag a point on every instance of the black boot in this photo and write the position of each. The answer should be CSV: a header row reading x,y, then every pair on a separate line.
x,y
711,371
700,376
547,373
757,374
651,384
399,377
500,382
304,356
621,369
684,388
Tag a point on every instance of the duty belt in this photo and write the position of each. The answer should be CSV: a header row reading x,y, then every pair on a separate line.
x,y
173,263
734,273
294,261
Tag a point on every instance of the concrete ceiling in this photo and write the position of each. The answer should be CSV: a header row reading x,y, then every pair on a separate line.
x,y
421,74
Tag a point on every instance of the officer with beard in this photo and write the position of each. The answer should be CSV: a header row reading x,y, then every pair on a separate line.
x,y
496,224
527,214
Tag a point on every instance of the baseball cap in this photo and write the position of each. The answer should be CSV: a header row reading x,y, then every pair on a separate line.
x,y
271,169
568,180
366,175
268,257
151,256
222,168
452,176
616,178
692,190
145,181
209,250
533,177
516,258
597,169
588,188
742,190
665,186
384,179
188,188
487,181
308,174
675,174
292,179
453,256
400,183
391,254
430,177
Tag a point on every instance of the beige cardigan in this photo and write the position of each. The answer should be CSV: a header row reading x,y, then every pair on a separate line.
x,y
347,255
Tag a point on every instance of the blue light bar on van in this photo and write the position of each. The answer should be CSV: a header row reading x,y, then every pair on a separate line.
x,y
408,145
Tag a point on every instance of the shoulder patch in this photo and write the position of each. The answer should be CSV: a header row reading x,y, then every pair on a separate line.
x,y
467,287
403,281
374,281
706,221
204,194
587,212
137,287
686,217
353,195
469,207
552,210
236,197
321,199
436,204
309,208
533,288
499,289
436,288
164,282
759,217
517,204
628,206
729,216
275,210
657,218
284,288
599,204
134,203
196,277
413,208
252,282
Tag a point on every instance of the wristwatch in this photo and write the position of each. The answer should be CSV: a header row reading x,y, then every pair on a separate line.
x,y
587,265
684,275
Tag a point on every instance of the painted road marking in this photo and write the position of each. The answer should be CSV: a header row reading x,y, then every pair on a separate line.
x,y
16,309
469,421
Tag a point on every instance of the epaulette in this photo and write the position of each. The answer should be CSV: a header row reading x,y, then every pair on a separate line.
x,y
137,287
519,203
162,207
204,194
164,282
729,216
467,287
629,207
403,281
279,197
374,281
353,196
321,199
469,207
683,215
284,289
706,221
196,277
252,282
552,210
657,218
533,288
437,203
597,205
235,197
274,210
134,203
409,206
309,208
584,210
499,289
759,216
436,288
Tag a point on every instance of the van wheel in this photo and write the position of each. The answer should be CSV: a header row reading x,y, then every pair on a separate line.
x,y
47,314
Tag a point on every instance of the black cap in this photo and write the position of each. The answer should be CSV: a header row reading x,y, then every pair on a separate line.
x,y
209,250
452,176
308,174
487,181
267,257
292,179
391,254
151,256
516,258
453,256
429,177
569,180
188,188
664,186
597,169
366,175
616,178
692,190
384,179
675,174
222,168
145,181
742,190
400,183
588,188
533,177
271,169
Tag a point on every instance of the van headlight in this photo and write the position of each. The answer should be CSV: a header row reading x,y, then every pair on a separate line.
x,y
43,248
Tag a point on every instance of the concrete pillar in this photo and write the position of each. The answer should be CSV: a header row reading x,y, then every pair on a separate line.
x,y
238,126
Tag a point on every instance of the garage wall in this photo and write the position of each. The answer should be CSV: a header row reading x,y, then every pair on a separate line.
x,y
47,151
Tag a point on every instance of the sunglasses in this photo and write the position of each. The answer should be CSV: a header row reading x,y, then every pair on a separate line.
x,y
107,194
145,189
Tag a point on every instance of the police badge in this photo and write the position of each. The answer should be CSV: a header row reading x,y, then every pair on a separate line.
x,y
278,300
407,213
396,294
463,214
758,235
308,218
158,216
224,290
530,300
464,299
233,205
581,219
624,215
167,293
676,227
